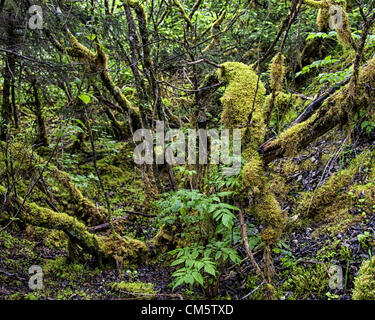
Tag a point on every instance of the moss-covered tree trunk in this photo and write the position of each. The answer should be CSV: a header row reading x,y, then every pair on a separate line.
x,y
104,248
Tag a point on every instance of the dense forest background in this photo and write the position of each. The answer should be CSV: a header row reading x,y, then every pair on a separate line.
x,y
80,219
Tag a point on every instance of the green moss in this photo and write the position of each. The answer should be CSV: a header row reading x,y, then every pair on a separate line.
x,y
334,111
364,283
282,101
322,19
330,204
252,282
305,282
274,219
290,138
99,61
279,187
71,200
277,72
289,168
344,34
138,290
14,296
253,172
80,51
7,240
52,239
31,296
214,30
124,250
62,269
180,8
318,4
265,206
345,253
63,194
237,104
238,100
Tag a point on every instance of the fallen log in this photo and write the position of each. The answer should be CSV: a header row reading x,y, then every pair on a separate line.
x,y
335,110
109,249
313,106
105,226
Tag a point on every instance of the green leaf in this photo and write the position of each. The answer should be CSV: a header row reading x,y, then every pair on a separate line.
x,y
253,242
177,262
199,265
79,122
218,255
224,193
228,206
85,98
189,279
178,282
227,221
91,37
210,269
189,263
198,277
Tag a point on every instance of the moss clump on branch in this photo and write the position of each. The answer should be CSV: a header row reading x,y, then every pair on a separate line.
x,y
79,51
274,219
277,72
238,101
282,104
289,137
265,205
165,239
344,34
253,173
57,186
43,217
124,250
99,61
215,28
180,8
317,4
322,20
364,283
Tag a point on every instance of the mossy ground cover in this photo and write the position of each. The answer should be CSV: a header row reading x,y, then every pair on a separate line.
x,y
318,238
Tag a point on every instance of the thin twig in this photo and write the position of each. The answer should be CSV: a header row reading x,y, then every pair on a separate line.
x,y
249,294
246,244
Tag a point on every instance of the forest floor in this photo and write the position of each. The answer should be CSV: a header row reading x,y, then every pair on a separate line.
x,y
87,280
301,260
